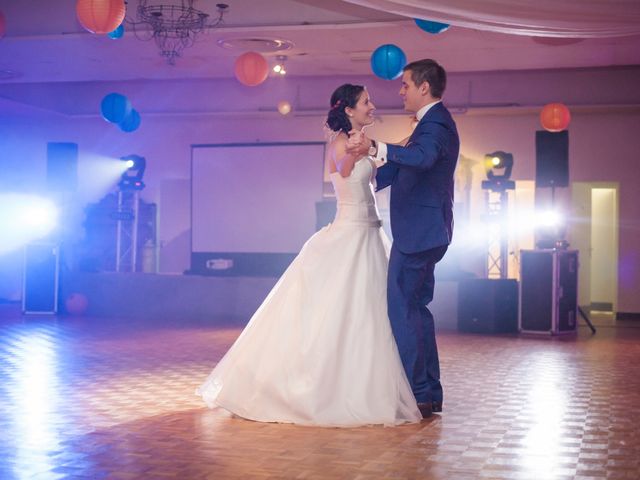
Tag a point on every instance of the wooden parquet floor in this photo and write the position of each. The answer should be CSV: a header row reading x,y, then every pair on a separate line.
x,y
110,398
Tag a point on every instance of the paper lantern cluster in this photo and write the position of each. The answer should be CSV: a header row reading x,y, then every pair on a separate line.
x,y
116,108
555,117
387,61
251,69
100,16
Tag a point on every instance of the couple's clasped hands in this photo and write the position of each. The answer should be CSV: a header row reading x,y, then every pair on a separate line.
x,y
358,143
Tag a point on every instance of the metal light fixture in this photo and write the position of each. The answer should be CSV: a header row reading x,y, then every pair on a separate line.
x,y
279,66
173,26
498,166
131,179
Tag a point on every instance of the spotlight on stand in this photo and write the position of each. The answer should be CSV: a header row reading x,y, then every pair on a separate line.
x,y
498,167
131,179
126,214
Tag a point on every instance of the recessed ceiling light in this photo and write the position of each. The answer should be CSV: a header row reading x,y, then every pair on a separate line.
x,y
256,44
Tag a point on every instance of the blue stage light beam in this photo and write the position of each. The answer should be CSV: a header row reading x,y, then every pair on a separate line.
x,y
25,218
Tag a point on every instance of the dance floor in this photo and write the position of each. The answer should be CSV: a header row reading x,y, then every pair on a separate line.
x,y
112,398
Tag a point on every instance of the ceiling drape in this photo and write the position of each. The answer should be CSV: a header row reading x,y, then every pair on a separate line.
x,y
541,18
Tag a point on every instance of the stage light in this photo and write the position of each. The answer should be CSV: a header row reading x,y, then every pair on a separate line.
x,y
550,228
41,216
498,166
25,218
132,177
549,218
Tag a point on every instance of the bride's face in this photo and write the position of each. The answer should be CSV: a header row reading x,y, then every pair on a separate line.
x,y
362,113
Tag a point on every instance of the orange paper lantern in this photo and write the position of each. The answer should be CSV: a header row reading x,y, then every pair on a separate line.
x,y
100,16
555,117
2,24
251,69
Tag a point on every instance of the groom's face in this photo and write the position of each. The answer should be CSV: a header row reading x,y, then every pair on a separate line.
x,y
412,95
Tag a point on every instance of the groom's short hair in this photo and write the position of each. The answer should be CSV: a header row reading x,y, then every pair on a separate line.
x,y
430,71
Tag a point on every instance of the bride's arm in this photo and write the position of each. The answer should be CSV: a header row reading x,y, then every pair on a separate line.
x,y
344,161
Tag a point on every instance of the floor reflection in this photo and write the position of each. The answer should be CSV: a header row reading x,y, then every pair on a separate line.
x,y
34,420
547,402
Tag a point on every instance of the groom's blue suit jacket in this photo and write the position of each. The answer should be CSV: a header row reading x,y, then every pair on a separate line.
x,y
421,179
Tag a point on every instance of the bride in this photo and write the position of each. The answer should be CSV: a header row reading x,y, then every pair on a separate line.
x,y
319,350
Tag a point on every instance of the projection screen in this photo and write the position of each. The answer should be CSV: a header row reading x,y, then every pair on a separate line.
x,y
253,205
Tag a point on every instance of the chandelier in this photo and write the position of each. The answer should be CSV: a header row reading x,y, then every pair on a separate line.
x,y
173,26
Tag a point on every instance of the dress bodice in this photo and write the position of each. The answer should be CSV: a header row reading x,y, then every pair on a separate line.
x,y
355,195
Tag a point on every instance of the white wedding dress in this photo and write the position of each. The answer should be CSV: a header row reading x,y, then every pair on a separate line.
x,y
320,350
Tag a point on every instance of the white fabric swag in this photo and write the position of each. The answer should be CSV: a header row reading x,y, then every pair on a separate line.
x,y
540,18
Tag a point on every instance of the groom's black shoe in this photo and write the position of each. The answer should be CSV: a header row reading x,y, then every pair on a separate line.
x,y
436,407
425,409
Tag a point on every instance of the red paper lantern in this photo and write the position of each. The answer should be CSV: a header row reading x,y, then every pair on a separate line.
x,y
555,117
3,24
100,16
251,69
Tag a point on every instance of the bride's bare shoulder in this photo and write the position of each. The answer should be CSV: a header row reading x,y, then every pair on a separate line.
x,y
339,141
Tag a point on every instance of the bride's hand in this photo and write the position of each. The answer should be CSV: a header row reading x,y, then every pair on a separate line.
x,y
358,143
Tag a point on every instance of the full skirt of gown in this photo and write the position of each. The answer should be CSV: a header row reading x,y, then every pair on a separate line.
x,y
319,350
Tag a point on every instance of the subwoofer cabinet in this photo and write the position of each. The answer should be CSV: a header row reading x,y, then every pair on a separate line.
x,y
548,291
488,305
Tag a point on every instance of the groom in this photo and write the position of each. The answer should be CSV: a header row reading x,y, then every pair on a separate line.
x,y
421,177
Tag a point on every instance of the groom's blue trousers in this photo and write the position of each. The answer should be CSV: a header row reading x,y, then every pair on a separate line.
x,y
410,287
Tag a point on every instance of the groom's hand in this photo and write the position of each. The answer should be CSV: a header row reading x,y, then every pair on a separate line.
x,y
358,143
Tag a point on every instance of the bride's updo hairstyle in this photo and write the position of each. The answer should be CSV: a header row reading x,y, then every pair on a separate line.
x,y
346,95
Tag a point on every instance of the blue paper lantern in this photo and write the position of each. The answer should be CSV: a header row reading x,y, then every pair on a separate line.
x,y
117,33
387,61
431,27
131,122
115,107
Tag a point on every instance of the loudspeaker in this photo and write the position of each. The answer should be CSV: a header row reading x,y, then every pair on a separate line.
x,y
548,291
488,305
62,166
552,159
40,281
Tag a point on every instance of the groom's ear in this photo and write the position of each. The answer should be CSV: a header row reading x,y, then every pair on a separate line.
x,y
425,88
